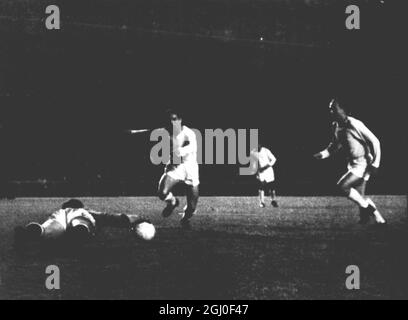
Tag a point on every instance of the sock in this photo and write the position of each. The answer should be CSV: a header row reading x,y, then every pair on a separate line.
x,y
261,196
170,199
378,217
358,198
187,212
273,195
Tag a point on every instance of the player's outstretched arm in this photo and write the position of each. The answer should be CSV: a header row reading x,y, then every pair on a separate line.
x,y
322,155
136,131
332,148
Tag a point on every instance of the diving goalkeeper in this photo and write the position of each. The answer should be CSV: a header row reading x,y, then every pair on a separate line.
x,y
76,221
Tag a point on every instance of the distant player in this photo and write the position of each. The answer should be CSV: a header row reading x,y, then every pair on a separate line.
x,y
363,150
264,161
73,220
181,168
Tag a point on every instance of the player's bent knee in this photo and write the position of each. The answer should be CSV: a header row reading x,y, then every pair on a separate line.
x,y
162,194
344,189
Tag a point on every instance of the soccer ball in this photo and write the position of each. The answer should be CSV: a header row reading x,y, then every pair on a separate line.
x,y
145,231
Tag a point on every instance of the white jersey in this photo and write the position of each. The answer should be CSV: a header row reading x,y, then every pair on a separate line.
x,y
183,164
359,143
184,147
362,147
265,161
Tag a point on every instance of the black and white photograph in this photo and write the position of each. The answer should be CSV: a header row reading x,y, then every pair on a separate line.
x,y
220,151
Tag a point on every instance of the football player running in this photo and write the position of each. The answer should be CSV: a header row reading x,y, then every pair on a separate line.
x,y
363,151
181,168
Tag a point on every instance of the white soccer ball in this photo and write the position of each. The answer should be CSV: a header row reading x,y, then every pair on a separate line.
x,y
145,231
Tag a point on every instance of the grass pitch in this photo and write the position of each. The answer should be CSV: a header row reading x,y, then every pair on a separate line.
x,y
235,250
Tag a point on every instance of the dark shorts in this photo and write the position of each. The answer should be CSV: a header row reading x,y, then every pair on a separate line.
x,y
266,186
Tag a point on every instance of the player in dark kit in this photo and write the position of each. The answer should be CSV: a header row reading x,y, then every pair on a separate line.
x,y
75,221
364,154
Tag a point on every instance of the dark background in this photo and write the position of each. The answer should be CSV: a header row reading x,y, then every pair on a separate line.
x,y
66,96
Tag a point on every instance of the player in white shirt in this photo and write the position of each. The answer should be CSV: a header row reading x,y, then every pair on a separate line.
x,y
264,161
181,168
363,151
75,221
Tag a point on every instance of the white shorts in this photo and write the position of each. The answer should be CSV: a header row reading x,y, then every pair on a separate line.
x,y
266,176
359,169
187,172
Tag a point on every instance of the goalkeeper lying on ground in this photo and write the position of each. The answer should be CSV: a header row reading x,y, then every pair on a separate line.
x,y
75,221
